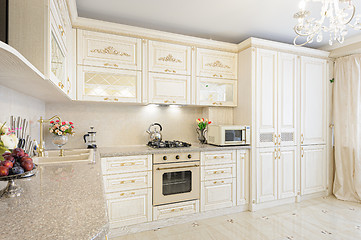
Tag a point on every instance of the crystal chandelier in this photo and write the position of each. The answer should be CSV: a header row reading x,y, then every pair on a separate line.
x,y
336,16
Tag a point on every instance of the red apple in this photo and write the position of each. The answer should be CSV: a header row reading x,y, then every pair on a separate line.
x,y
25,159
9,158
4,171
7,164
27,165
18,152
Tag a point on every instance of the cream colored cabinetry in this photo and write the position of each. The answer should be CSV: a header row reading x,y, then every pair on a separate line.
x,y
176,209
41,31
313,169
218,180
242,177
128,187
216,78
109,67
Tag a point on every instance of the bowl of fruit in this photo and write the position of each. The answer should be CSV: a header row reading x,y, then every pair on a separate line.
x,y
17,164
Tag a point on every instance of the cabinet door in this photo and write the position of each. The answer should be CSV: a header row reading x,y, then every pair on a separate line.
x,y
218,194
105,84
288,96
107,50
287,172
313,169
266,159
169,89
242,177
313,101
129,207
266,98
216,92
169,58
216,64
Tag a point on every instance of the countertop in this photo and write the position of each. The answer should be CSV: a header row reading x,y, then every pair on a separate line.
x,y
63,201
145,150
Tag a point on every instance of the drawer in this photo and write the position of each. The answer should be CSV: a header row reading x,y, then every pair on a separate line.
x,y
218,172
108,50
217,194
127,181
176,209
219,157
126,164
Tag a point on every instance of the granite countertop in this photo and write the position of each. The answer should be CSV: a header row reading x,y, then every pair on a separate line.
x,y
145,150
63,201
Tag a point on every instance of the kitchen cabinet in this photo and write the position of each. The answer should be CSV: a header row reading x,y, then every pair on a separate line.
x,y
313,101
107,84
242,177
313,169
216,194
169,58
276,98
216,64
175,210
216,92
169,89
276,173
109,51
218,157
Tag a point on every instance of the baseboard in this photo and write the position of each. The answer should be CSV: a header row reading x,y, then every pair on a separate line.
x,y
117,232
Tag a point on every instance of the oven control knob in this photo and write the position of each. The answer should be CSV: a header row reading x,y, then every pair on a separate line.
x,y
177,157
189,156
165,158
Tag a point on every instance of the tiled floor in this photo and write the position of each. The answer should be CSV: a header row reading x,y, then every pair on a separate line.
x,y
317,219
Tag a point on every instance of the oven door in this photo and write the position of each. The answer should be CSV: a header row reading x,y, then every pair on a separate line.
x,y
175,182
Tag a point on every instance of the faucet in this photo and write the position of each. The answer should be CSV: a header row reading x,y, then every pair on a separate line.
x,y
41,150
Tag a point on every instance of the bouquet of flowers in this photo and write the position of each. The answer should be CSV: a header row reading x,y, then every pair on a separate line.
x,y
8,140
61,128
202,124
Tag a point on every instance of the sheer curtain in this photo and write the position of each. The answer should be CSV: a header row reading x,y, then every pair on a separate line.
x,y
347,120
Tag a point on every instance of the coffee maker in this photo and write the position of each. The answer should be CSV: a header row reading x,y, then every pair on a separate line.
x,y
90,139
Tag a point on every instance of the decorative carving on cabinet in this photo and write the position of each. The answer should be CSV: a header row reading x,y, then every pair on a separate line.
x,y
110,50
169,58
217,64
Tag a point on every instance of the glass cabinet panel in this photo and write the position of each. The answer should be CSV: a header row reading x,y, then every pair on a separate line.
x,y
58,60
217,92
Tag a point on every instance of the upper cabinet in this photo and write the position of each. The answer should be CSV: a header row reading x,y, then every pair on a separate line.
x,y
107,50
169,58
216,64
216,92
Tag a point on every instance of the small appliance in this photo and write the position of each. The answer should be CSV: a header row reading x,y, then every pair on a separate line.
x,y
225,135
90,138
155,135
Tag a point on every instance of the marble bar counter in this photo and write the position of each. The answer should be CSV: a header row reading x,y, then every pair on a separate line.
x,y
145,150
63,201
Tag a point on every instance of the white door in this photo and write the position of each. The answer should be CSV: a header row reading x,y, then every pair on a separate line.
x,y
313,169
216,194
266,159
287,172
266,98
288,96
313,101
242,177
169,58
169,89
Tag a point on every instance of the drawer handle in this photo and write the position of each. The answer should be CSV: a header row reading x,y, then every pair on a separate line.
x,y
216,172
167,70
216,75
127,164
215,157
123,194
174,101
111,64
106,98
302,138
215,182
116,99
177,210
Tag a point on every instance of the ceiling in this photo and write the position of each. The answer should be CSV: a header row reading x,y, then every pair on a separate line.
x,y
224,20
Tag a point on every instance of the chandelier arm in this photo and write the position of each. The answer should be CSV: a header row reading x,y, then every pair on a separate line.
x,y
353,14
300,45
304,34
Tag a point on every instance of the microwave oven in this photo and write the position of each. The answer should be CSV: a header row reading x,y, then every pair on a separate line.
x,y
224,135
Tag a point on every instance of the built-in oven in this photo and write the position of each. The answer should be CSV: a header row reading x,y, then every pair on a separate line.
x,y
175,178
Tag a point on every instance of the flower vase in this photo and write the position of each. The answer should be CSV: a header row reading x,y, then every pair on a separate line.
x,y
60,141
201,135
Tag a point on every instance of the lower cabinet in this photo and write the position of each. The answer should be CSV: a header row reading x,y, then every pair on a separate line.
x,y
276,173
175,210
313,169
242,177
216,194
129,207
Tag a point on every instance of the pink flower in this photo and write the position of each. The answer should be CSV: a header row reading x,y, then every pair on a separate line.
x,y
63,123
57,121
56,125
60,133
63,128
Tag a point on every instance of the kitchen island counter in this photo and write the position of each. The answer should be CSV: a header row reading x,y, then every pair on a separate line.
x,y
63,201
145,150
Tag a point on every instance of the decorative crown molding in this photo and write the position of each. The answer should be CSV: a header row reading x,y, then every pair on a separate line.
x,y
110,50
169,58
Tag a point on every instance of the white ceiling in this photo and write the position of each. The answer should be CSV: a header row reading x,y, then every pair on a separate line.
x,y
224,20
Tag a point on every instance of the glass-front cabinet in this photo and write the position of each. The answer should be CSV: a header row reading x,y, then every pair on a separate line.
x,y
216,92
106,84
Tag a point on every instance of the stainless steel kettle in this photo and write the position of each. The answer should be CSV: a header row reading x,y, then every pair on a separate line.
x,y
155,135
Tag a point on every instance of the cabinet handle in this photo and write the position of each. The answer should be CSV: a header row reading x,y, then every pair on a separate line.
x,y
61,85
302,138
215,157
69,86
279,153
166,101
216,75
110,64
302,152
127,164
106,98
174,101
116,99
279,139
61,30
275,140
275,153
215,182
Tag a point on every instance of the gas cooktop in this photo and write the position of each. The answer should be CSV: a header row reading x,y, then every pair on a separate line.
x,y
168,144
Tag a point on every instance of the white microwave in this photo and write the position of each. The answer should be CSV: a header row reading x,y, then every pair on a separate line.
x,y
223,135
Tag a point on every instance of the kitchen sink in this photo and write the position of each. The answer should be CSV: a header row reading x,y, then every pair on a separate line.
x,y
70,156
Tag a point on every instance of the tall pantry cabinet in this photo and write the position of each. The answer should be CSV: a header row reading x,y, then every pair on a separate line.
x,y
283,95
